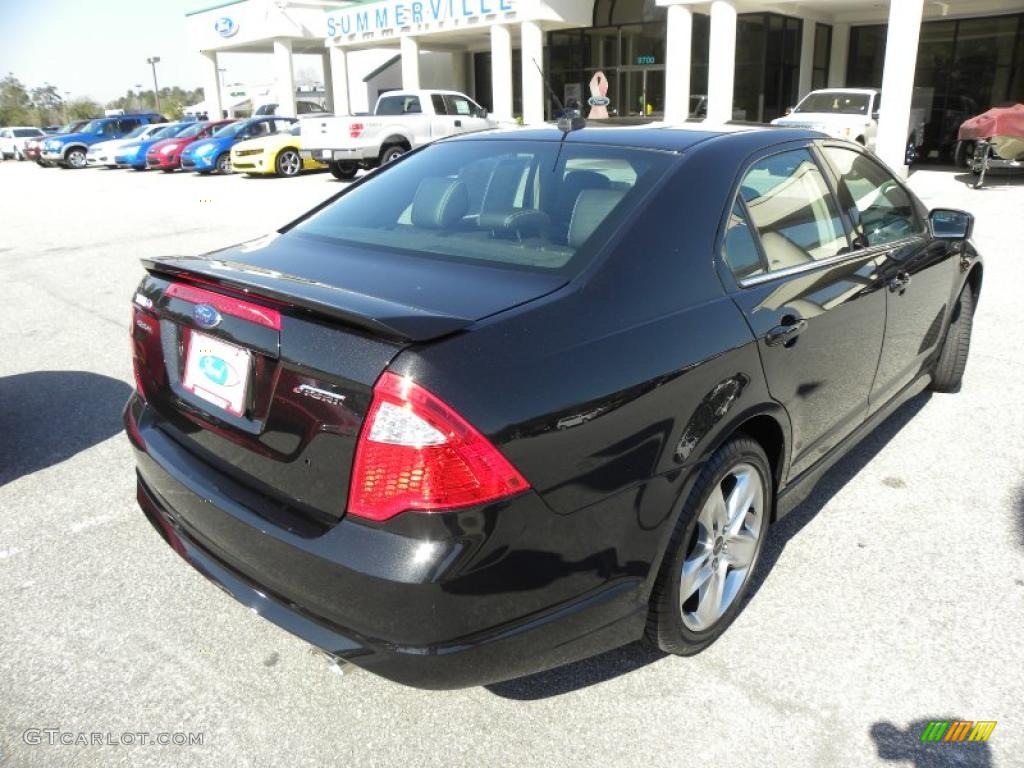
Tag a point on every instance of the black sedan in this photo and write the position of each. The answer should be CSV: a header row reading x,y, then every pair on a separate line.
x,y
527,396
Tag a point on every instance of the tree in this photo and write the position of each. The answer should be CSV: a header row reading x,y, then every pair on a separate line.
x,y
48,104
81,108
15,103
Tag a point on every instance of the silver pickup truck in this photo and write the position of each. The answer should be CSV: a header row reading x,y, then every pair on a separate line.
x,y
401,120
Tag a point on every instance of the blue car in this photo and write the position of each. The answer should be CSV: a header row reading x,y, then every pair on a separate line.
x,y
214,153
132,154
69,150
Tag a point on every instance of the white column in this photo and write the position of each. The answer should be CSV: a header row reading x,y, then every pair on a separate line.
x,y
325,64
678,47
840,53
501,72
285,77
339,79
211,85
803,86
898,81
410,63
721,61
532,48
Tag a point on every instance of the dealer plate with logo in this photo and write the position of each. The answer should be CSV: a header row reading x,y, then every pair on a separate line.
x,y
217,371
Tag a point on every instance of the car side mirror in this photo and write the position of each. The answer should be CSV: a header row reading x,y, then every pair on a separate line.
x,y
951,224
482,112
874,115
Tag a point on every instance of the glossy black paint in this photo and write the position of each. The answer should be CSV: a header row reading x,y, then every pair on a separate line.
x,y
608,392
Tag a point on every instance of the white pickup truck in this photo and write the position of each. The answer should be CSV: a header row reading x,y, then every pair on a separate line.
x,y
850,113
401,120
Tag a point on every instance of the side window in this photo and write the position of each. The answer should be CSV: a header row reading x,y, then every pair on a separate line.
x,y
739,249
411,105
792,210
459,105
438,102
878,205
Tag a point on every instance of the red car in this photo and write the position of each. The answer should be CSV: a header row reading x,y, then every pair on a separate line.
x,y
166,154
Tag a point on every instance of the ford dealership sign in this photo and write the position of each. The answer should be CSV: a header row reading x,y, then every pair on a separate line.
x,y
225,26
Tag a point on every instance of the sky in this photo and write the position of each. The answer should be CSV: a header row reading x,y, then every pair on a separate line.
x,y
98,48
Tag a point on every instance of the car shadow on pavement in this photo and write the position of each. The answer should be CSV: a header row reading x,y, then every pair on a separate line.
x,y
906,747
620,661
49,416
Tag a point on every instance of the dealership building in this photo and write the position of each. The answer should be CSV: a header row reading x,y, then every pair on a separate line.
x,y
671,59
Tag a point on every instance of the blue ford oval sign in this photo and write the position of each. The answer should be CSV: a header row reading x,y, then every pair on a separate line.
x,y
206,316
225,26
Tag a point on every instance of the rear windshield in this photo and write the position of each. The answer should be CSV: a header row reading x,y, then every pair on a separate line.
x,y
535,205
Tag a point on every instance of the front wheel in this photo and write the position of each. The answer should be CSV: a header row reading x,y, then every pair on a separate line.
x,y
224,163
714,550
948,374
75,158
288,163
344,171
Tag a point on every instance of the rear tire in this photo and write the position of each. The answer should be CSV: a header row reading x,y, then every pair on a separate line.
x,y
392,152
948,374
714,550
344,171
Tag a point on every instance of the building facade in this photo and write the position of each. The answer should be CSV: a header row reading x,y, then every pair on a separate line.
x,y
671,59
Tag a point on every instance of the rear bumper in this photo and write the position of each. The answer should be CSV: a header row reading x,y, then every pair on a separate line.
x,y
432,601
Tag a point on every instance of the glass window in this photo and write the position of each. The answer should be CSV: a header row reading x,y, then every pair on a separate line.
x,y
438,101
399,105
822,55
878,205
792,209
533,205
739,249
459,105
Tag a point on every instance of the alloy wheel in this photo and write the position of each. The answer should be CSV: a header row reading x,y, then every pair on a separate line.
x,y
224,163
723,548
76,158
289,163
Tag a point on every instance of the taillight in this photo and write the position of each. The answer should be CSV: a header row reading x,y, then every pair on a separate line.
x,y
147,324
417,453
355,130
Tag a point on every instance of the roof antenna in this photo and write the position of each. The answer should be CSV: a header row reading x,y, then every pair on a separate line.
x,y
564,123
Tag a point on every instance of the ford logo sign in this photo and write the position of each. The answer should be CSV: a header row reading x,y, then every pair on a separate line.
x,y
206,316
225,26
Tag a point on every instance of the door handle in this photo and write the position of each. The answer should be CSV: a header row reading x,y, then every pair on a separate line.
x,y
458,123
899,282
786,333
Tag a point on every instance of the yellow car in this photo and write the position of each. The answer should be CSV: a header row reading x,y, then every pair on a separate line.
x,y
277,154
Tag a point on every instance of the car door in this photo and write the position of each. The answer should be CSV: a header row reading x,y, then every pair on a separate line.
x,y
466,115
441,123
918,269
815,305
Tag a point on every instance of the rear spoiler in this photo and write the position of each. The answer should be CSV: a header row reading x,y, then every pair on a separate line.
x,y
392,320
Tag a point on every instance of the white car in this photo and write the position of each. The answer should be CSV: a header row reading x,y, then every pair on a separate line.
x,y
103,153
13,139
848,113
402,120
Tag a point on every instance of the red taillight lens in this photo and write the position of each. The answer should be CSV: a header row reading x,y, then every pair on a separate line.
x,y
416,453
254,313
355,130
144,325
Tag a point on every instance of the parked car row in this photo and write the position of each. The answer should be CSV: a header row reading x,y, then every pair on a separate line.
x,y
265,144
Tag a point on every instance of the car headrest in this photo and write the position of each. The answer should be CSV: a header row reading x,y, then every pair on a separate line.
x,y
520,223
592,207
439,202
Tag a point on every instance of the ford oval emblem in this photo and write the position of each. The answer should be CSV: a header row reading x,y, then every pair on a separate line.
x,y
225,26
206,316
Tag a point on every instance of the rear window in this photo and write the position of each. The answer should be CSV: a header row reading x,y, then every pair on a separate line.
x,y
535,205
399,105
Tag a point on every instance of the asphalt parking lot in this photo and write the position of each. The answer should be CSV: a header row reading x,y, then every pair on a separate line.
x,y
892,597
